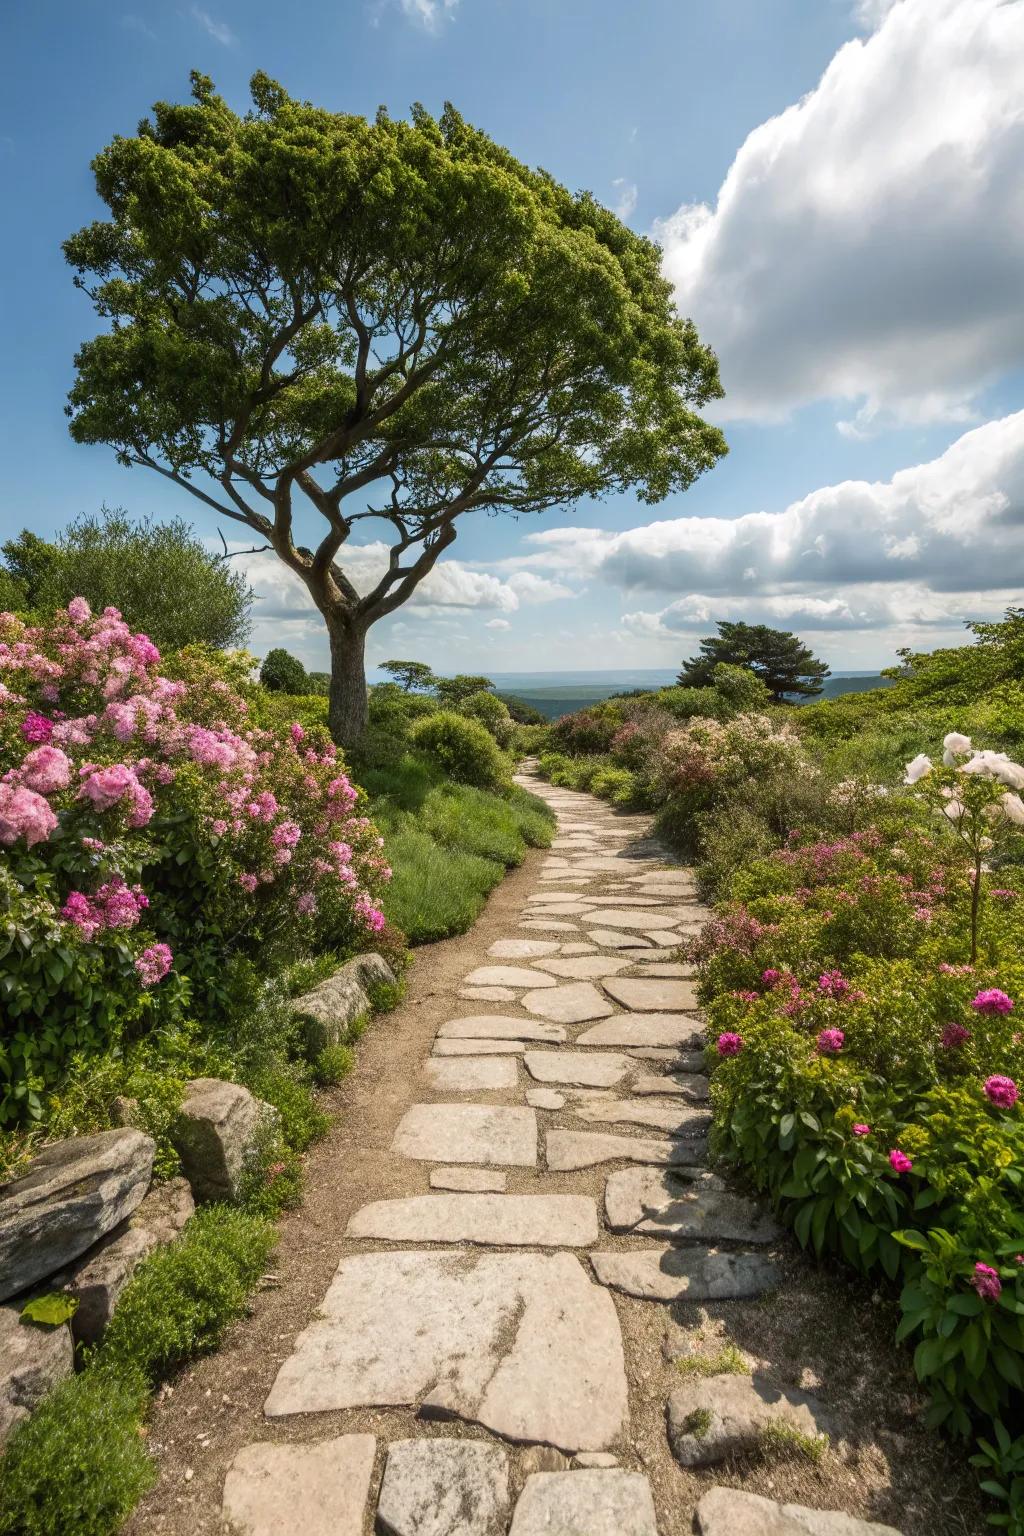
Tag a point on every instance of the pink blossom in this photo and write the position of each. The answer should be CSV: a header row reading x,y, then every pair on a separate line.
x,y
153,964
78,909
79,610
747,997
729,1044
36,727
992,1000
770,977
860,1129
899,1162
23,813
218,826
286,834
306,904
248,882
104,787
45,770
833,984
830,1042
945,969
1001,1091
371,916
954,1036
297,733
987,1283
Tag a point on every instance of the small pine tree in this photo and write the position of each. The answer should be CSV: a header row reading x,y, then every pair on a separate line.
x,y
780,659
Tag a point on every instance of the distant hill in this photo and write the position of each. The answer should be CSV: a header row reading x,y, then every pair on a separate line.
x,y
562,693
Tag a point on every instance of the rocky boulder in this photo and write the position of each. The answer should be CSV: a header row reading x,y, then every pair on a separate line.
x,y
32,1360
101,1275
218,1130
71,1195
329,1009
716,1417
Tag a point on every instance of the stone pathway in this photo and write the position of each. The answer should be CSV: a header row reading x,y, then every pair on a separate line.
x,y
554,1168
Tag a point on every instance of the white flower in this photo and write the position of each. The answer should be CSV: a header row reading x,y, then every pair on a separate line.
x,y
980,765
954,746
918,768
954,809
1013,809
1009,773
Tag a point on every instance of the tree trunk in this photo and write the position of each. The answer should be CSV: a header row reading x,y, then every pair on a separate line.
x,y
347,712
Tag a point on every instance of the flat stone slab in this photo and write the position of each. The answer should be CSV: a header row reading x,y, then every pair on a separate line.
x,y
732,1413
581,948
477,1047
545,1098
585,968
523,949
690,1274
585,1502
507,976
486,995
468,1133
591,1069
470,1074
729,1512
660,1114
668,938
572,1004
549,926
561,908
627,900
691,1086
566,1150
652,994
530,1221
658,1029
525,1345
441,1487
319,1489
468,1178
614,938
621,917
498,1026
670,1203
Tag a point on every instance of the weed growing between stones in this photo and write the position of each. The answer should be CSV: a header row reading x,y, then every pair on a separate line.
x,y
728,1361
779,1440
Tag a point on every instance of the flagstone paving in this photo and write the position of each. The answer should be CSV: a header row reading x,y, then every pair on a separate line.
x,y
499,1288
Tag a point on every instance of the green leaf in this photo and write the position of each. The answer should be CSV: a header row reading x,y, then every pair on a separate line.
x,y
51,1310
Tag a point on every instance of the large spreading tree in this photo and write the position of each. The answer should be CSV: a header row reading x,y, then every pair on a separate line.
x,y
779,658
321,326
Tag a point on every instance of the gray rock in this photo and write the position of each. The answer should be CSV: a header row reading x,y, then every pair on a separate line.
x,y
502,1135
530,1221
659,1114
523,1344
691,1086
729,1512
468,1074
591,1069
497,1026
652,994
33,1359
590,1503
329,1009
678,1204
542,1458
319,1489
545,1098
217,1132
712,1417
101,1275
72,1194
468,1178
657,1029
568,1150
687,1274
572,1004
444,1488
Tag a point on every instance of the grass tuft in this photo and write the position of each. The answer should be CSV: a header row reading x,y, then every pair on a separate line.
x,y
779,1440
729,1361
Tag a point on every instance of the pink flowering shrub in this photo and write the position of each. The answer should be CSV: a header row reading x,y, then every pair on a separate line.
x,y
153,839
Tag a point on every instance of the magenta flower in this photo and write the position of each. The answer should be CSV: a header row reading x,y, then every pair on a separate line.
x,y
833,984
297,733
861,1130
830,1042
747,997
899,1162
992,1000
954,1036
153,964
729,1044
987,1282
36,727
1001,1091
770,976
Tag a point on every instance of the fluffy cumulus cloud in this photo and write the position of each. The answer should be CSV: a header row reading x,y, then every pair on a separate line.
x,y
866,245
936,543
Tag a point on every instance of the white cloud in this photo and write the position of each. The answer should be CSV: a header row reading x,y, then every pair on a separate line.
x,y
871,13
866,244
429,13
625,203
218,30
497,624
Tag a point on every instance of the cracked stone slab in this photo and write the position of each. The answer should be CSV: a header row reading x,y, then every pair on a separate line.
x,y
568,1150
319,1489
656,1029
730,1512
572,1004
652,994
477,1047
470,1074
529,1221
507,976
525,1345
659,1114
498,1026
545,1098
523,949
591,1069
468,1178
584,968
672,1203
468,1133
588,1501
732,1413
444,1488
689,1274
691,1086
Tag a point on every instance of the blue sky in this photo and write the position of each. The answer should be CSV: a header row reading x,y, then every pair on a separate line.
x,y
838,188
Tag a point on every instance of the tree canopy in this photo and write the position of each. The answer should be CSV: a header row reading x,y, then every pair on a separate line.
x,y
412,675
390,321
282,672
779,658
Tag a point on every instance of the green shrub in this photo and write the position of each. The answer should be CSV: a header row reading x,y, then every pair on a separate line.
x,y
436,891
333,1063
79,1465
493,714
182,1297
301,1121
615,784
282,672
462,748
